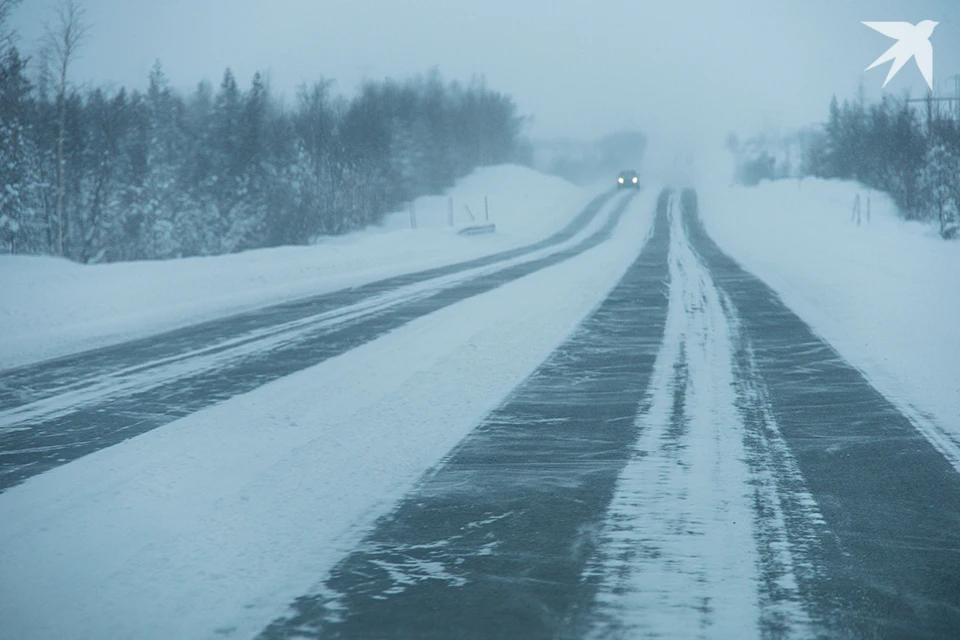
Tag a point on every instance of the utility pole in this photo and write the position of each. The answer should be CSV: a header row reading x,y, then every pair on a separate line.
x,y
953,102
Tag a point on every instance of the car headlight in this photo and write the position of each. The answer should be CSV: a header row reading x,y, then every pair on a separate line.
x,y
634,181
620,180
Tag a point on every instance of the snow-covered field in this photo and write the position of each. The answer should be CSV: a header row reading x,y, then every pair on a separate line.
x,y
50,307
885,293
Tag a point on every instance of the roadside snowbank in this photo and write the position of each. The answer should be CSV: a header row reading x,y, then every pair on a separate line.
x,y
885,294
50,307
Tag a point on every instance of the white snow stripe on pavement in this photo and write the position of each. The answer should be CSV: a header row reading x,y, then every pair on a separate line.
x,y
678,554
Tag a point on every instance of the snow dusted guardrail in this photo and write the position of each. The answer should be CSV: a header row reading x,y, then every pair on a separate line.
x,y
476,229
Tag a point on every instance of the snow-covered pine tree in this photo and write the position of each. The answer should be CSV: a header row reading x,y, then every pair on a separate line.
x,y
21,226
939,188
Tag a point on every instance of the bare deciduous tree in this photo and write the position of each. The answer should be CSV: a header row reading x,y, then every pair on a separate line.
x,y
6,34
61,42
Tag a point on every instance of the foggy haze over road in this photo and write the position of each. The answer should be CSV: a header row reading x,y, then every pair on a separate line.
x,y
579,69
435,319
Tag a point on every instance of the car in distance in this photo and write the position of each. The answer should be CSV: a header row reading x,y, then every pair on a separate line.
x,y
628,178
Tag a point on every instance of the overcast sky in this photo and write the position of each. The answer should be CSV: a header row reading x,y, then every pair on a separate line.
x,y
581,69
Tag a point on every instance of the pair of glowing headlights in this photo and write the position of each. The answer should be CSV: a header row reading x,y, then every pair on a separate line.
x,y
620,180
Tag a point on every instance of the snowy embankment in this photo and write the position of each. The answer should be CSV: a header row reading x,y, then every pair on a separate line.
x,y
211,525
50,306
885,293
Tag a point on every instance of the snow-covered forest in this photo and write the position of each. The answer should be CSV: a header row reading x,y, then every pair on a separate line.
x,y
105,174
891,146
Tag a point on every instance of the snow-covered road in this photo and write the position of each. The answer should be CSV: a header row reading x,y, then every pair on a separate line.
x,y
493,541
227,514
54,412
680,548
617,433
689,464
872,505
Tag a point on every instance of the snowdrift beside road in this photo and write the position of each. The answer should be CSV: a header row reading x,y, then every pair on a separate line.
x,y
51,307
885,293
